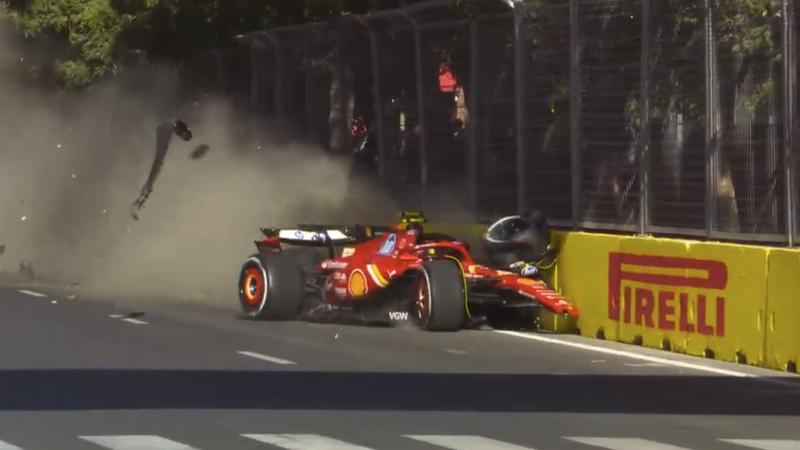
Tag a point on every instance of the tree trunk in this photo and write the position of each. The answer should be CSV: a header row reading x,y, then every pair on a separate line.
x,y
342,103
724,128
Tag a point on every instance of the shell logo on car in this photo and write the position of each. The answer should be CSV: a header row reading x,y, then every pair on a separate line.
x,y
357,284
668,293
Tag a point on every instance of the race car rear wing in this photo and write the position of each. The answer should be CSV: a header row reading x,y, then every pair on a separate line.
x,y
359,232
305,235
300,236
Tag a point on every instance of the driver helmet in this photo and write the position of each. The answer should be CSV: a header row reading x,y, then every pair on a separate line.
x,y
517,238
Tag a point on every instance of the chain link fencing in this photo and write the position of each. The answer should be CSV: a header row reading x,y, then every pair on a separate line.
x,y
669,117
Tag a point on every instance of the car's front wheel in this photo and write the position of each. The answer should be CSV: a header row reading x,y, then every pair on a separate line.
x,y
441,296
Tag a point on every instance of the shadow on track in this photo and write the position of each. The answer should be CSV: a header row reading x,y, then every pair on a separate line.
x,y
27,390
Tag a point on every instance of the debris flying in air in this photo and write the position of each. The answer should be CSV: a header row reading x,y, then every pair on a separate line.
x,y
200,151
164,134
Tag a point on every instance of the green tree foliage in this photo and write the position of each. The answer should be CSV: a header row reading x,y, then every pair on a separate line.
x,y
99,31
87,25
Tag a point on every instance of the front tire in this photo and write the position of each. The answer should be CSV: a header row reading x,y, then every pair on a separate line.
x,y
271,287
441,302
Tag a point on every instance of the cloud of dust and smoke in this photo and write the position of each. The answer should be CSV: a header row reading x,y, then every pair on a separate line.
x,y
71,165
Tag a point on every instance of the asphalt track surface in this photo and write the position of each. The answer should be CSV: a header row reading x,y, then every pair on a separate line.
x,y
79,374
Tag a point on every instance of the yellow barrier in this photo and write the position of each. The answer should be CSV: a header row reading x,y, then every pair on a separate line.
x,y
582,277
730,302
739,307
704,299
783,310
649,278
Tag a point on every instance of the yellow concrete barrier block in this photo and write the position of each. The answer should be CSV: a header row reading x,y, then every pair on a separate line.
x,y
783,310
582,277
650,292
705,299
731,306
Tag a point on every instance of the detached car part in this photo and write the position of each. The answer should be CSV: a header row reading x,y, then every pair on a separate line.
x,y
164,134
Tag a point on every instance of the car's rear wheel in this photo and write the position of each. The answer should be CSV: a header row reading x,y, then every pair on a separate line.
x,y
270,287
441,296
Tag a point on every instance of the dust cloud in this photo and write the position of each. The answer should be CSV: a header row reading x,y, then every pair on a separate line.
x,y
72,164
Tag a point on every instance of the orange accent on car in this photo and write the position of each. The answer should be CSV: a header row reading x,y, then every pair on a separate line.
x,y
253,287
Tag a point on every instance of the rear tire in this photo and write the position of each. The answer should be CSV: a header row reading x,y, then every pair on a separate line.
x,y
271,287
441,296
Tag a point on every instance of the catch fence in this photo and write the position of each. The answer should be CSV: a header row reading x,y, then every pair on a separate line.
x,y
667,117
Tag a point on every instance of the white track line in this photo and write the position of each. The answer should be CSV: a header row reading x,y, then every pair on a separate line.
x,y
6,446
134,321
765,444
624,443
136,443
454,351
456,442
32,293
271,359
625,354
304,442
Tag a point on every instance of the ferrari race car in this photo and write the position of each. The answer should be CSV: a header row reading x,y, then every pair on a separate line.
x,y
386,274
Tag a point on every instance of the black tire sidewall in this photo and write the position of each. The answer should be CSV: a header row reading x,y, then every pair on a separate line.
x,y
284,287
448,296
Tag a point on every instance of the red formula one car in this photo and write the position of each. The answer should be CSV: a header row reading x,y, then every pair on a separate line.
x,y
386,275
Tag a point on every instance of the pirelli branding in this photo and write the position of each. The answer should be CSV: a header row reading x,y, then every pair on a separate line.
x,y
668,293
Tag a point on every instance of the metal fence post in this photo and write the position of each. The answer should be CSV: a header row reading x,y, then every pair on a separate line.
x,y
575,109
255,79
378,103
421,122
519,85
345,89
472,121
711,120
644,139
257,87
789,93
308,87
277,95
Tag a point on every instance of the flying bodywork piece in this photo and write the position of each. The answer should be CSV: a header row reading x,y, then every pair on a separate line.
x,y
164,134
